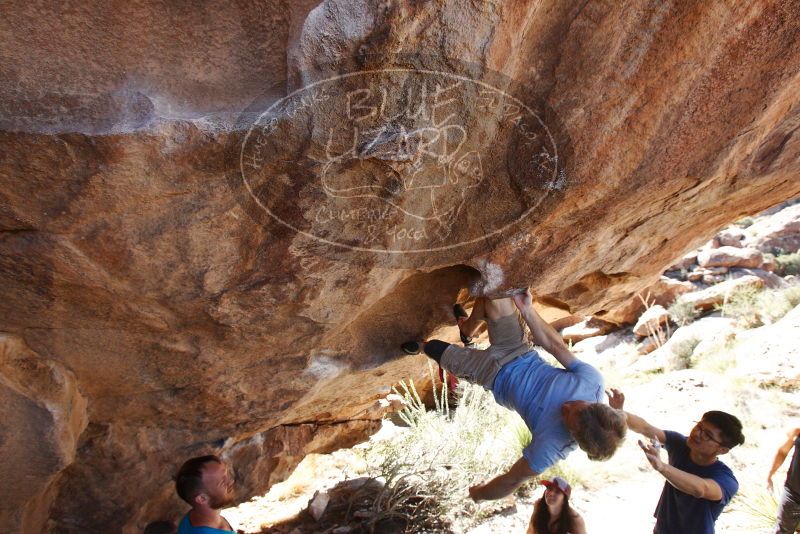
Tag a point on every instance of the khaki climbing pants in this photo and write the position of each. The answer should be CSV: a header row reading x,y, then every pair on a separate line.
x,y
480,366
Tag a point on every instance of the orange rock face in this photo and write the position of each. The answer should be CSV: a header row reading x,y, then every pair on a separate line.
x,y
181,274
663,293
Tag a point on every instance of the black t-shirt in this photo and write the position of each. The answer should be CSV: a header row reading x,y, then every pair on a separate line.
x,y
680,513
793,476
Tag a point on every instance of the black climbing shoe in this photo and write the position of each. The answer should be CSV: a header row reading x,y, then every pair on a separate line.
x,y
411,347
459,312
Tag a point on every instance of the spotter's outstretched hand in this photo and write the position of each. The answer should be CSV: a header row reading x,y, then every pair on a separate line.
x,y
653,455
616,398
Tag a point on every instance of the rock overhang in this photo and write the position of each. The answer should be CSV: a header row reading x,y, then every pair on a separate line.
x,y
189,326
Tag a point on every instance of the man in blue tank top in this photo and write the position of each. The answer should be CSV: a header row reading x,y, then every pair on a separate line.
x,y
698,485
206,484
563,408
789,509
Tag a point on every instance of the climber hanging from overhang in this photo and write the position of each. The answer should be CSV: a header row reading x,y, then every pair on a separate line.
x,y
561,407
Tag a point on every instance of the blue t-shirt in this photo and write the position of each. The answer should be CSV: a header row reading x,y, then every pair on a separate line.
x,y
536,390
186,528
680,513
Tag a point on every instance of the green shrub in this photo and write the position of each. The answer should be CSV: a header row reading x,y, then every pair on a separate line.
x,y
752,307
682,353
519,433
759,507
788,263
744,223
792,295
427,470
414,409
742,305
717,358
682,312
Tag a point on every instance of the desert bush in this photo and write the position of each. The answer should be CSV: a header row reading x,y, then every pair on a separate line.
x,y
745,309
718,358
682,354
414,409
658,333
792,296
777,251
519,433
752,307
788,263
744,223
428,469
759,507
742,306
682,312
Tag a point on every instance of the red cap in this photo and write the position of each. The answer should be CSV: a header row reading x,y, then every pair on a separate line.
x,y
559,483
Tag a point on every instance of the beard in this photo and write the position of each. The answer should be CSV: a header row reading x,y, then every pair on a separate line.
x,y
220,501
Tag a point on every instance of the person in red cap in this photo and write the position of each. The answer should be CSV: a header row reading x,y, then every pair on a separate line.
x,y
552,513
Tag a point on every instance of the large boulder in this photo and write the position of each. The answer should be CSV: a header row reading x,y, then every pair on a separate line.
x,y
771,280
727,256
651,321
202,268
588,327
661,293
778,231
732,236
685,262
715,295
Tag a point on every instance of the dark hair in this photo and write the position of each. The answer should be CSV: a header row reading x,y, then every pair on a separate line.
x,y
541,518
189,480
600,430
729,426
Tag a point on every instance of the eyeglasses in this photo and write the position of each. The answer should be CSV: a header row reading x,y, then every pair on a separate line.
x,y
705,435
